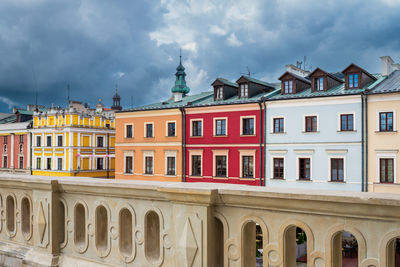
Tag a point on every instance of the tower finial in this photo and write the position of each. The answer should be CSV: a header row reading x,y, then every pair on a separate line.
x,y
180,55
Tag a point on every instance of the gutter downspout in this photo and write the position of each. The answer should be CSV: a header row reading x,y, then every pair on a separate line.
x,y
366,143
261,142
183,133
265,140
108,152
362,143
30,152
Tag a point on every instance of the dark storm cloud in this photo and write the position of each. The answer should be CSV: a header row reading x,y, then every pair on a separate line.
x,y
44,44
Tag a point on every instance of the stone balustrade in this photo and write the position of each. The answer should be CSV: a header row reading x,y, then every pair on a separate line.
x,y
48,221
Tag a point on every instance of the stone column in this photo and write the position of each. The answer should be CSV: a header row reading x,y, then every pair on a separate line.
x,y
290,247
337,250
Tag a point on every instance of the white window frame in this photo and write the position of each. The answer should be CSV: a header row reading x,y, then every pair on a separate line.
x,y
298,157
19,161
241,125
195,152
378,120
246,152
148,153
145,129
62,136
273,126
166,128
220,152
191,127
51,136
170,153
129,154
220,93
215,126
125,131
386,155
337,156
340,121
275,156
45,163
304,122
104,143
36,140
62,167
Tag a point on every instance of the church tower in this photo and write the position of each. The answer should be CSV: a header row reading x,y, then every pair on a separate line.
x,y
180,89
116,101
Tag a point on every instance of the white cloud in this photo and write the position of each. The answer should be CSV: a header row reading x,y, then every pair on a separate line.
x,y
391,3
233,40
8,102
214,29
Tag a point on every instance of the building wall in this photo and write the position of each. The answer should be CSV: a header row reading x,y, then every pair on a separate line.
x,y
383,144
328,142
13,152
159,146
234,145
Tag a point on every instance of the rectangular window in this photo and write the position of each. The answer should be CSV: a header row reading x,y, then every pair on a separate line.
x,y
60,164
278,125
129,133
288,87
196,165
170,165
38,163
247,167
220,93
244,90
386,170
319,84
220,127
5,163
248,126
148,165
346,122
100,142
21,162
21,148
149,130
48,164
5,148
100,164
337,170
304,169
38,140
59,140
21,139
48,140
311,123
353,80
128,164
196,128
171,128
386,121
5,138
220,166
278,168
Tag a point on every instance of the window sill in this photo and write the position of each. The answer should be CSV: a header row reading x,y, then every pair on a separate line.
x,y
149,137
303,180
312,132
350,131
246,178
128,173
129,138
385,132
278,179
196,136
220,177
278,133
388,183
247,135
147,174
170,175
220,136
171,136
196,177
338,182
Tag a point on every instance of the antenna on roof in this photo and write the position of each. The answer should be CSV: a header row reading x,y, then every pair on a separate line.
x,y
305,59
248,72
68,93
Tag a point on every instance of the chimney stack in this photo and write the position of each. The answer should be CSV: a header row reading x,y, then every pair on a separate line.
x,y
296,70
387,65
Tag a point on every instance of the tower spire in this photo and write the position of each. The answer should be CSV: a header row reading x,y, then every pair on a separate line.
x,y
116,100
180,86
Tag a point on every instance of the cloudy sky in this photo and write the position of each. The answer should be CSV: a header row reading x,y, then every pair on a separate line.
x,y
94,45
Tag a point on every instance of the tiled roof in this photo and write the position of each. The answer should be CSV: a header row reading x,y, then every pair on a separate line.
x,y
334,91
390,85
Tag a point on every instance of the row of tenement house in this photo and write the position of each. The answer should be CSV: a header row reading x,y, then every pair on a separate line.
x,y
75,141
316,129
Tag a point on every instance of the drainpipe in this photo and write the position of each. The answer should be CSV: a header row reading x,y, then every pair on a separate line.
x,y
30,152
265,140
107,158
366,142
362,143
261,142
183,133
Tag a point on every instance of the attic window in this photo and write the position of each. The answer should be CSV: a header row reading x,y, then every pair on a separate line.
x,y
319,84
288,86
219,94
352,80
244,90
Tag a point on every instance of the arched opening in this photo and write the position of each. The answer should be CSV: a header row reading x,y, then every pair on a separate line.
x,y
344,250
125,233
393,253
295,247
80,226
26,217
61,223
101,228
252,245
152,236
218,250
10,214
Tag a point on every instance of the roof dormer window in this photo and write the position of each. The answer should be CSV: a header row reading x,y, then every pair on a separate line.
x,y
244,90
288,86
319,84
352,80
220,93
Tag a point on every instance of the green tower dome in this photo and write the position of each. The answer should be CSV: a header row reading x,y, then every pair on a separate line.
x,y
180,82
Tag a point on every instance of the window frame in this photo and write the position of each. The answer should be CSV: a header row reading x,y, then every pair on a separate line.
x,y
126,155
19,162
58,163
380,129
305,123
244,90
386,159
219,153
167,123
219,93
247,153
102,160
299,158
38,138
351,74
170,154
331,170
192,128
273,168
195,152
5,162
126,130
47,163
98,137
146,154
149,159
288,86
38,160
58,140
281,125
215,128
47,140
242,118
146,132
317,84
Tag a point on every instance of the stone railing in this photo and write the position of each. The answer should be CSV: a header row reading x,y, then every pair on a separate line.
x,y
49,221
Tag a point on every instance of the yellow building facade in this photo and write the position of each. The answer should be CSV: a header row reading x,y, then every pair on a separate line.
x,y
78,141
383,143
